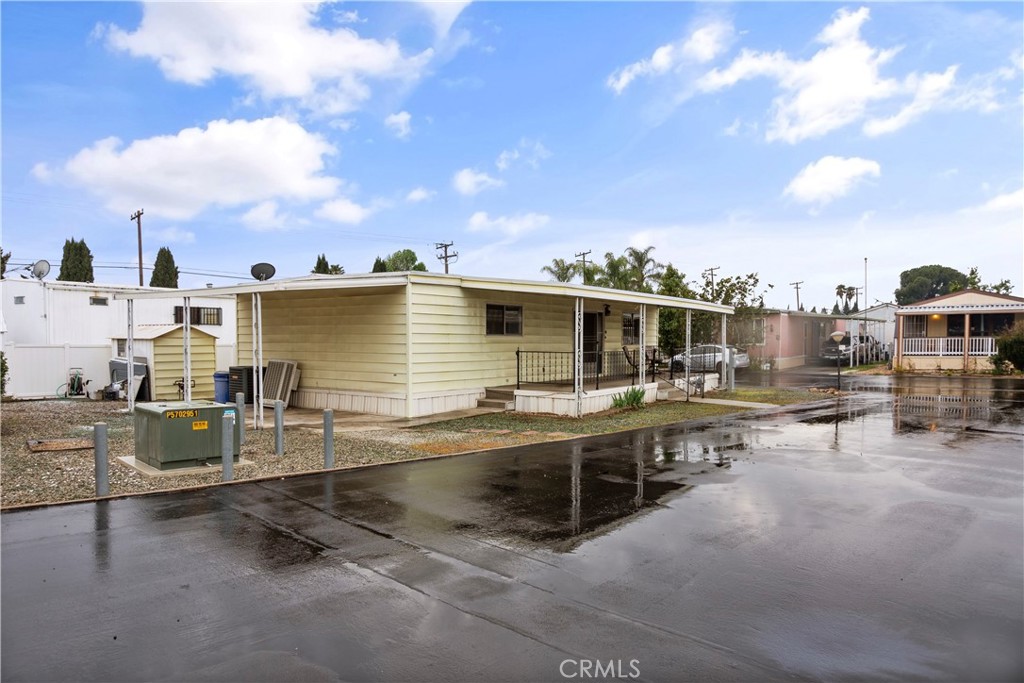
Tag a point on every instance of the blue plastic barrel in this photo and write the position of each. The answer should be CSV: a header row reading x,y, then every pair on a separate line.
x,y
220,387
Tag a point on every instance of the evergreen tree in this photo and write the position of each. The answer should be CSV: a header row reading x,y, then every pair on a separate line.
x,y
76,263
835,309
4,258
321,267
165,273
379,266
404,260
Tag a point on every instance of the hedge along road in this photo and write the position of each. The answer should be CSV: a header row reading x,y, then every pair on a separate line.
x,y
879,537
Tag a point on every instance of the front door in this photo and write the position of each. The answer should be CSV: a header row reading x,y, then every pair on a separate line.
x,y
593,333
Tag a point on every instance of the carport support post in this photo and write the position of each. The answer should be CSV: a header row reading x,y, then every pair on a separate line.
x,y
186,346
328,439
732,373
99,436
578,356
129,351
686,365
240,411
725,366
227,456
279,427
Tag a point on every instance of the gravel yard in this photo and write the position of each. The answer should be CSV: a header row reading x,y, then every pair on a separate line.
x,y
56,476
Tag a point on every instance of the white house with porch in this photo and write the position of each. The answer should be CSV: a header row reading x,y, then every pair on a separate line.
x,y
955,331
414,343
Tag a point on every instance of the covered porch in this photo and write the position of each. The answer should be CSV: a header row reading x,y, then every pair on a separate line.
x,y
954,332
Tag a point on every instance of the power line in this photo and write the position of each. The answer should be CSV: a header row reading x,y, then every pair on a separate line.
x,y
454,256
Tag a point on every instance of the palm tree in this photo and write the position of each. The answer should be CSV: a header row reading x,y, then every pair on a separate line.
x,y
560,270
616,273
644,270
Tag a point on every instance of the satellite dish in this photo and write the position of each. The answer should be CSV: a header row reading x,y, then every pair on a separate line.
x,y
40,269
263,271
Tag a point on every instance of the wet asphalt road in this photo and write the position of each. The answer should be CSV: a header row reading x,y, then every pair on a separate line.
x,y
881,537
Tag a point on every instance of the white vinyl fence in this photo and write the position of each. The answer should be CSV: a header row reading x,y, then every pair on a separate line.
x,y
42,370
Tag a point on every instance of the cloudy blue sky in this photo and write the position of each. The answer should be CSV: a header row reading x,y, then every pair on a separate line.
x,y
793,140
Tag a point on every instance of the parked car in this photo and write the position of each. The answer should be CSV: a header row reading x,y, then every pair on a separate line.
x,y
707,357
830,350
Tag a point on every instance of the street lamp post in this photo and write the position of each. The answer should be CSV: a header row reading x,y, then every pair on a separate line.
x,y
837,337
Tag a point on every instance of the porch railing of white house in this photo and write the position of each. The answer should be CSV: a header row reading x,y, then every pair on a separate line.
x,y
949,346
557,367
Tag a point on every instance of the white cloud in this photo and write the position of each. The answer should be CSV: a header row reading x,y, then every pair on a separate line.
x,y
419,194
470,182
172,235
343,210
842,84
264,216
1009,202
704,43
348,17
277,49
830,178
733,129
42,172
443,14
400,124
531,152
228,163
928,90
510,226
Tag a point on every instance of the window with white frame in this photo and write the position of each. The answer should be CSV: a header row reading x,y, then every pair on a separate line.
x,y
915,326
504,320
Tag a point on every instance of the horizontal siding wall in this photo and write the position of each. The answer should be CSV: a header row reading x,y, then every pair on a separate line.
x,y
451,349
342,339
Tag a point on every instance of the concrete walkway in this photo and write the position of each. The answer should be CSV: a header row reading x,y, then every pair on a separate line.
x,y
727,402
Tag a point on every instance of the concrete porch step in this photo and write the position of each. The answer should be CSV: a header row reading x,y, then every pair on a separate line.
x,y
500,394
495,403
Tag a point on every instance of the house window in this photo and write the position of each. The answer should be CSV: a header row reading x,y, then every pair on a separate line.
x,y
630,328
505,320
915,326
955,325
19,300
97,301
990,324
122,347
198,315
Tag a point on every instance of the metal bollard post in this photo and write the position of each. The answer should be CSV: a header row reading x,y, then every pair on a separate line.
x,y
240,407
227,447
279,427
732,372
99,435
328,439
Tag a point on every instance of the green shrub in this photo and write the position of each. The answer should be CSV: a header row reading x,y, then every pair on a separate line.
x,y
633,397
3,373
1010,347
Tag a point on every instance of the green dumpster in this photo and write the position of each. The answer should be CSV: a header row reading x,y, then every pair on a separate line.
x,y
178,434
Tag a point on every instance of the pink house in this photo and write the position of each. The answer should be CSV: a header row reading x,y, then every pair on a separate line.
x,y
789,339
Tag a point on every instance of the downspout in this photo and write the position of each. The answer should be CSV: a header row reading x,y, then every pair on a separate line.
x,y
408,348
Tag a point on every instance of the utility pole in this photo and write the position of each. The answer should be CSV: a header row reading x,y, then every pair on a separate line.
x,y
454,256
712,272
137,217
797,286
583,257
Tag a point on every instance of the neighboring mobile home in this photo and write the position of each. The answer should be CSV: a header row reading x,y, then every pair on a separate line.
x,y
412,344
53,327
955,331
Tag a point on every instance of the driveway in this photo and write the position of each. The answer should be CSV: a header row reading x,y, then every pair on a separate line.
x,y
880,537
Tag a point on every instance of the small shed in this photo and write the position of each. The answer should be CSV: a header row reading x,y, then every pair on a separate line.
x,y
161,346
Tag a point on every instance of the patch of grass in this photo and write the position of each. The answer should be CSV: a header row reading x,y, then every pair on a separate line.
x,y
602,423
778,397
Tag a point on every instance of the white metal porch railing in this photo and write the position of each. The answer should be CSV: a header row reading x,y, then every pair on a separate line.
x,y
949,346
